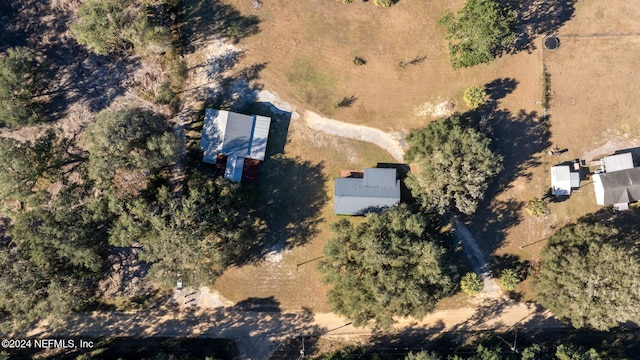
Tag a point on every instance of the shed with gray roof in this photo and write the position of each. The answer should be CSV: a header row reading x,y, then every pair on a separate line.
x,y
376,190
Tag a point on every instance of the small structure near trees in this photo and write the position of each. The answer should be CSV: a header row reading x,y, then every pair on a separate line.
x,y
236,140
375,190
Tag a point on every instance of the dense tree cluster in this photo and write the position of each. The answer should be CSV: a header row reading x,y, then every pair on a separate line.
x,y
61,228
107,26
127,147
455,165
480,352
196,235
391,265
480,31
27,168
589,276
22,81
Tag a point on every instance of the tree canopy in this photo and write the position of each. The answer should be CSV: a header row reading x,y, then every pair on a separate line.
x,y
196,235
455,164
390,265
27,168
127,146
107,26
482,30
22,80
55,254
589,276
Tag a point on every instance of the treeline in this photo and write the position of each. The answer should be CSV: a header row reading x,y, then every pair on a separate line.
x,y
488,350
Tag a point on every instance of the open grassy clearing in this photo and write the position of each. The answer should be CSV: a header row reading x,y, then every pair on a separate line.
x,y
309,47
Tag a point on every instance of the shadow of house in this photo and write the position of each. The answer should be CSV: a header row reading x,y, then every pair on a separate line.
x,y
291,191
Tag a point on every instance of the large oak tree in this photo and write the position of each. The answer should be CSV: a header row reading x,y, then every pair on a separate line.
x,y
390,265
455,165
482,30
589,276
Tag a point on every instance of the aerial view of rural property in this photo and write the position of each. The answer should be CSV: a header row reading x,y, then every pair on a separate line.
x,y
320,179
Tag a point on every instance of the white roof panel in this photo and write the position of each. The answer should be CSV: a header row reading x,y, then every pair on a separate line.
x,y
260,135
618,162
233,170
213,132
561,180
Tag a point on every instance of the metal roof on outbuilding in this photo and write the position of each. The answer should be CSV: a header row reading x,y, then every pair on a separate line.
x,y
618,162
561,180
378,189
237,136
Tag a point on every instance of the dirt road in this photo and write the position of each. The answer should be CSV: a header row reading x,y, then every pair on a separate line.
x,y
258,334
357,132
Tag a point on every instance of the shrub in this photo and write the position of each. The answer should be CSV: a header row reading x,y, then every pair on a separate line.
x,y
509,279
22,80
544,98
475,96
383,3
536,207
471,283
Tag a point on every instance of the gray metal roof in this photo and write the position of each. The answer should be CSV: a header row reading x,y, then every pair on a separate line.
x,y
355,196
617,187
233,134
618,162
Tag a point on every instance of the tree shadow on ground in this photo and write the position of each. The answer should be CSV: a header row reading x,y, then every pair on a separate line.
x,y
204,20
521,139
539,17
510,261
258,333
76,75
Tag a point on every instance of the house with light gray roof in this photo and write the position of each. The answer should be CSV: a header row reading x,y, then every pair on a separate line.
x,y
376,190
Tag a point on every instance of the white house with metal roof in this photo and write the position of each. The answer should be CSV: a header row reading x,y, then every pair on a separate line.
x,y
236,136
618,188
377,189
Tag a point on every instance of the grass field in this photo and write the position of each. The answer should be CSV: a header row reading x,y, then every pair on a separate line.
x,y
308,49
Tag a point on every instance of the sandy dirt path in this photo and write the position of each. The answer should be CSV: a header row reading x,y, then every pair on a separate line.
x,y
258,334
357,132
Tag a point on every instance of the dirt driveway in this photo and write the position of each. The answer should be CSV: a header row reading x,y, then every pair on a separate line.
x,y
389,142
